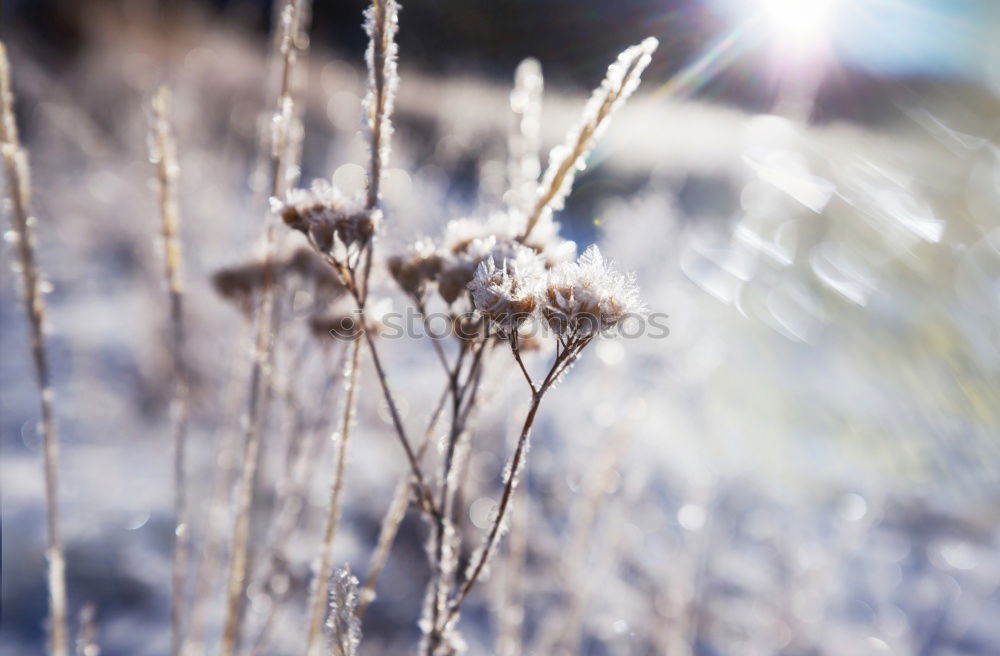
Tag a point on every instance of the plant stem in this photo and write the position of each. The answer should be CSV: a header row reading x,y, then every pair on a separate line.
x,y
505,497
318,605
19,190
238,562
394,515
165,158
565,356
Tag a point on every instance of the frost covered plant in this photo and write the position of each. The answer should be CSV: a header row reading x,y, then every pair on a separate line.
x,y
343,625
588,297
508,295
512,266
337,225
565,160
417,270
503,267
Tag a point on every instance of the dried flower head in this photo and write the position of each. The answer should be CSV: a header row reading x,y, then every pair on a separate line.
x,y
467,243
589,296
507,295
241,282
417,269
328,217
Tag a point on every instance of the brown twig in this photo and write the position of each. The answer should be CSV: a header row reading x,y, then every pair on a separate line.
x,y
19,189
394,516
513,470
165,159
317,604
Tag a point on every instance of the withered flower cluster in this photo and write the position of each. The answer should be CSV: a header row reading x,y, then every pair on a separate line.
x,y
240,283
338,225
450,266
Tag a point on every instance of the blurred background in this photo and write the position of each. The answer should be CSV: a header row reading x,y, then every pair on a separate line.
x,y
809,464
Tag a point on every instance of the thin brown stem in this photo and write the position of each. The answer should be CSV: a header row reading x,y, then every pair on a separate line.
x,y
520,363
19,191
165,158
317,603
394,516
262,344
508,489
426,499
381,82
510,483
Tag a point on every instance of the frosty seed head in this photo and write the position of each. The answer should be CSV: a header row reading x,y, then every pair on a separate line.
x,y
327,216
466,243
469,242
508,294
239,283
589,296
414,271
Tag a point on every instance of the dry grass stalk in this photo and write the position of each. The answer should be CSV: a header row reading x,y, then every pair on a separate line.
x,y
578,300
317,604
622,79
236,585
381,24
19,190
164,158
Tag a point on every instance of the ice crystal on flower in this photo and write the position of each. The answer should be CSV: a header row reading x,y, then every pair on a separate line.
x,y
508,294
589,296
327,216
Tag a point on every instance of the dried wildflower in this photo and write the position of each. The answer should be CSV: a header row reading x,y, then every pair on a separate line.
x,y
589,296
416,270
328,217
509,294
240,283
468,243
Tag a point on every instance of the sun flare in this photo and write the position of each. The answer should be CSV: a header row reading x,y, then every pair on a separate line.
x,y
800,22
